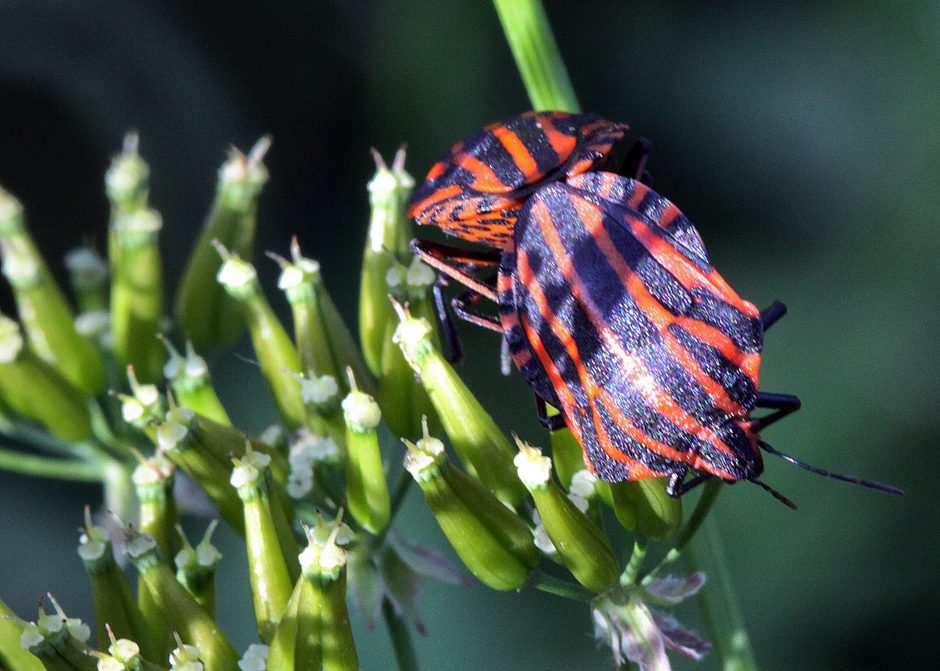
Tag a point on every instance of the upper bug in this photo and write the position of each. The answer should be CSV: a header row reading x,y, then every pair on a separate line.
x,y
607,299
476,191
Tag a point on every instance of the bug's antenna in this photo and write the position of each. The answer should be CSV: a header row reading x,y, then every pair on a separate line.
x,y
777,495
887,489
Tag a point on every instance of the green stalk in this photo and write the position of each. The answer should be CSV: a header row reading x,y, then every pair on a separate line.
x,y
537,57
719,603
50,467
401,638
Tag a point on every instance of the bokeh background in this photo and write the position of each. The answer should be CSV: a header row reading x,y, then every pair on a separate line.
x,y
800,137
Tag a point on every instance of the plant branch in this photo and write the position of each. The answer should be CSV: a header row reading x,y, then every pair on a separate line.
x,y
710,491
49,467
537,57
719,604
401,638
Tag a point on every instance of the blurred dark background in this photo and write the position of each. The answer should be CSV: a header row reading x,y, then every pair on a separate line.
x,y
800,137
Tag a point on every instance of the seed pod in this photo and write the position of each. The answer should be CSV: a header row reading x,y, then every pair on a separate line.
x,y
195,567
388,237
123,655
191,383
314,634
490,539
88,275
185,657
47,318
34,389
402,397
644,506
137,291
144,407
127,181
267,568
153,482
182,611
60,642
366,486
12,655
484,450
581,546
204,312
276,353
178,442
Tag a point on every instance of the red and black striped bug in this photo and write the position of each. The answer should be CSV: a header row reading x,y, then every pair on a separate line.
x,y
607,300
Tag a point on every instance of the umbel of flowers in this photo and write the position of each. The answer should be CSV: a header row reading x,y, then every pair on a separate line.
x,y
111,387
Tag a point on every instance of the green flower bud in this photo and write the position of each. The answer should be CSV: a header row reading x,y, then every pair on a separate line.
x,y
314,633
127,180
12,655
88,274
270,584
195,567
46,315
581,546
181,438
137,291
366,486
32,388
204,312
388,237
403,398
191,383
124,655
323,564
185,657
484,450
183,612
323,340
276,353
60,642
153,482
491,540
644,506
144,407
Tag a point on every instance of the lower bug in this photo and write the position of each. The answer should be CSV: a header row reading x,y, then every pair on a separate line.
x,y
611,310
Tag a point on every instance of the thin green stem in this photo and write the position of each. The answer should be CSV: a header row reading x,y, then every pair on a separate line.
x,y
537,57
401,638
710,491
719,603
32,436
559,587
632,570
49,467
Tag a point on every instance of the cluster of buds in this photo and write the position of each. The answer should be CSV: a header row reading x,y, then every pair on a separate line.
x,y
514,516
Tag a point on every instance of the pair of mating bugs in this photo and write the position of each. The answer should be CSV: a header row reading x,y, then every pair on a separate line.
x,y
607,300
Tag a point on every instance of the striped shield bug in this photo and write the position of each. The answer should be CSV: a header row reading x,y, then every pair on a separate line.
x,y
607,300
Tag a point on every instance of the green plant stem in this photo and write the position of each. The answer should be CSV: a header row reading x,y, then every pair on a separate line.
x,y
632,570
401,638
719,604
559,587
710,491
401,490
537,57
48,467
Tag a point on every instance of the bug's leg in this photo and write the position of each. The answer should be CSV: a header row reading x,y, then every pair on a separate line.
x,y
455,264
463,308
772,313
452,343
634,166
677,485
550,422
782,404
